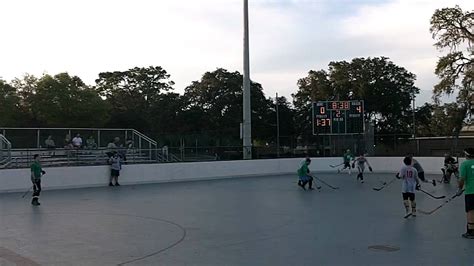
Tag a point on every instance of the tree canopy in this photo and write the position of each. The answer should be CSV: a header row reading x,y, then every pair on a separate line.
x,y
452,28
387,90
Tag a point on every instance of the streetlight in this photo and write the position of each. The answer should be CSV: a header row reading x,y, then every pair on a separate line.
x,y
414,106
278,126
247,123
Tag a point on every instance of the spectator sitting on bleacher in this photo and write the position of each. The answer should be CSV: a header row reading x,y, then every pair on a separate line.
x,y
67,142
77,141
122,151
90,143
111,148
49,143
129,143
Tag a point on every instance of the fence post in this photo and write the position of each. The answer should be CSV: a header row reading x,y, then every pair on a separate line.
x,y
98,139
38,138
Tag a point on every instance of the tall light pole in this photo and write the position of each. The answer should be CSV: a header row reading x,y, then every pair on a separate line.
x,y
278,126
247,123
414,125
414,121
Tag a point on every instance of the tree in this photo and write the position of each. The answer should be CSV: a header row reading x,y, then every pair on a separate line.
x,y
166,114
316,86
453,29
132,94
26,89
286,115
65,101
218,99
445,119
423,116
9,105
387,90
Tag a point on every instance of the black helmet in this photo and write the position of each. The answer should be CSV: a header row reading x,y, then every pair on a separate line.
x,y
469,152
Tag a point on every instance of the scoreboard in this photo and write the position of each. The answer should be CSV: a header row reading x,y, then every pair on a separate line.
x,y
338,117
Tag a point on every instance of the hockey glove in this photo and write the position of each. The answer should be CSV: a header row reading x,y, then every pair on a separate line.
x,y
459,192
418,187
370,169
43,172
353,165
397,175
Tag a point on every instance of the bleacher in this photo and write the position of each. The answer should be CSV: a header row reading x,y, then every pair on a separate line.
x,y
14,154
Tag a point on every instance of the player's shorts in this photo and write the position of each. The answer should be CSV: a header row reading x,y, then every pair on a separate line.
x,y
408,196
469,199
306,178
114,172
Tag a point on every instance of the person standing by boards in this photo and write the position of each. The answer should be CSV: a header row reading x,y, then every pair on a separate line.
x,y
36,173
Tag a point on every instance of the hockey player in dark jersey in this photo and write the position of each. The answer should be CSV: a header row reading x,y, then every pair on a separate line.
x,y
419,169
450,167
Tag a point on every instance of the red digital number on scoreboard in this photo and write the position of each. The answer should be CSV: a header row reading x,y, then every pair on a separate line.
x,y
340,105
323,122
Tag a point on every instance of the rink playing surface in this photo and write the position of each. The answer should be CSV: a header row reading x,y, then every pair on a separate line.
x,y
245,221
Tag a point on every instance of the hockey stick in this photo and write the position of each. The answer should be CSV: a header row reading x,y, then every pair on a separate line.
x,y
444,203
299,184
337,165
385,185
26,193
381,181
431,195
322,181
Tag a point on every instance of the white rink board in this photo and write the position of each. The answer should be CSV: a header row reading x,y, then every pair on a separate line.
x,y
13,180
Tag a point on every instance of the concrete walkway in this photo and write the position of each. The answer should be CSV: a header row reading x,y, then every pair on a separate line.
x,y
245,221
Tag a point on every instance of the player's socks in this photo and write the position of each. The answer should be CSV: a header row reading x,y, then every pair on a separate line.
x,y
407,206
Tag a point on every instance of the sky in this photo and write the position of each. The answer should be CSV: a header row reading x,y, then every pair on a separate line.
x,y
189,37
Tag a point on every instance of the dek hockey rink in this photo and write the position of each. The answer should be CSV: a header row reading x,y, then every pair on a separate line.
x,y
245,221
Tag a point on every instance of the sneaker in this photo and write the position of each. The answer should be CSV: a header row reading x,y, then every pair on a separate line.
x,y
301,185
117,184
111,185
468,236
35,202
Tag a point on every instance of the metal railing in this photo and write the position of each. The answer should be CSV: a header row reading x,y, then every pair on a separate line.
x,y
27,138
5,151
22,158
